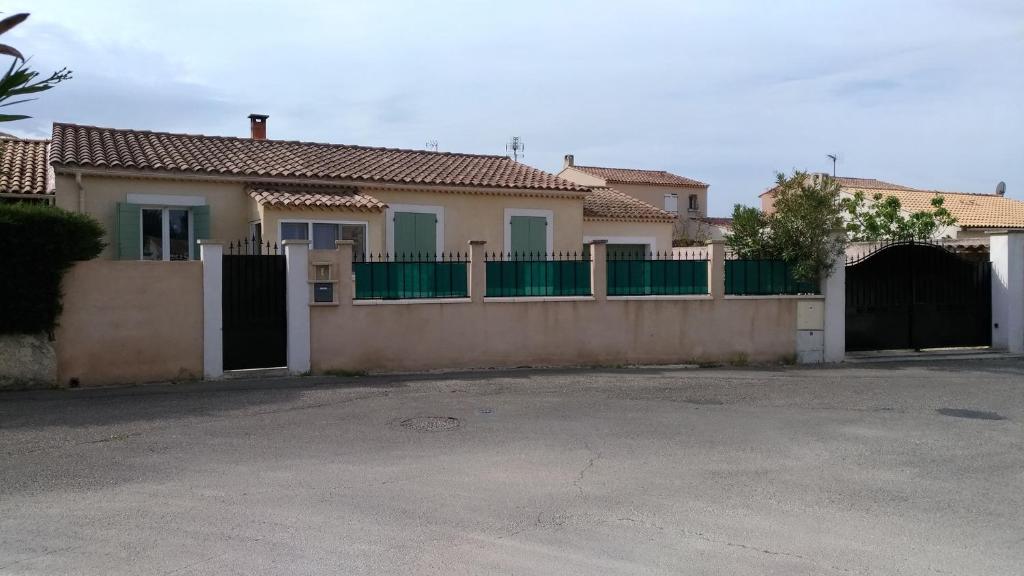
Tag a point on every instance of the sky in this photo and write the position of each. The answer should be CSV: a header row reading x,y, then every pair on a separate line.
x,y
922,93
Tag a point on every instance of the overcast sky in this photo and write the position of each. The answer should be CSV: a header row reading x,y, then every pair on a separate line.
x,y
923,93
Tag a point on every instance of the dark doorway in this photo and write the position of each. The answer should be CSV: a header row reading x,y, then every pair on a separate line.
x,y
255,313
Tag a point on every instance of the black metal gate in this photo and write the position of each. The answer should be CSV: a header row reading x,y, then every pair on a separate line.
x,y
916,295
255,313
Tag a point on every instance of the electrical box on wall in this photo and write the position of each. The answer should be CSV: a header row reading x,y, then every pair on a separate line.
x,y
810,315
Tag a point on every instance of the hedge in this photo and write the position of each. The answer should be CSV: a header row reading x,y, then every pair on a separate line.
x,y
38,244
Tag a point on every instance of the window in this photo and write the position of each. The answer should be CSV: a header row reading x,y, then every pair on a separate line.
x,y
166,234
694,203
672,203
325,234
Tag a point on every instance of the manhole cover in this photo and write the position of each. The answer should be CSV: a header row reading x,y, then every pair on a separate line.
x,y
975,414
431,423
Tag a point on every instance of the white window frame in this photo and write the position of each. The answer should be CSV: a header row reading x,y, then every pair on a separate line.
x,y
548,215
650,241
165,230
309,229
674,201
389,224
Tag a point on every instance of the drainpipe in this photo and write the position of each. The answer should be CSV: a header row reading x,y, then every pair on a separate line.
x,y
81,192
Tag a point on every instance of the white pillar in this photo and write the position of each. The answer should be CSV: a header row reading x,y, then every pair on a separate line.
x,y
834,289
211,252
1006,251
296,253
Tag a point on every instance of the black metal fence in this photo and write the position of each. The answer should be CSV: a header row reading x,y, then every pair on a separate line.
x,y
537,274
660,273
252,247
408,276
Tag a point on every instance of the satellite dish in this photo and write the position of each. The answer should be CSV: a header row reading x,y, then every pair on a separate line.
x,y
1001,189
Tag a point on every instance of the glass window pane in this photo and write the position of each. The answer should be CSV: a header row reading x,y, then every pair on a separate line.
x,y
324,236
357,234
177,222
152,234
294,231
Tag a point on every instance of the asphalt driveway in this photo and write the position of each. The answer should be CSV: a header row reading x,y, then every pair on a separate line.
x,y
721,471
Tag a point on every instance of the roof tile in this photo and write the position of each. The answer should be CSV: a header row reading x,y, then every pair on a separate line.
x,y
610,204
314,197
633,176
89,146
23,167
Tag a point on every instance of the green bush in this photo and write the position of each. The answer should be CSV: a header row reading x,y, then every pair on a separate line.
x,y
38,244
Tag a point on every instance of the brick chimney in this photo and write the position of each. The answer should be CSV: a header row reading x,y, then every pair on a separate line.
x,y
258,125
569,161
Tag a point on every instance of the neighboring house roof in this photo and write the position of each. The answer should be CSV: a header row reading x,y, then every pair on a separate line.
x,y
970,210
111,148
633,176
23,167
857,183
314,197
610,204
714,221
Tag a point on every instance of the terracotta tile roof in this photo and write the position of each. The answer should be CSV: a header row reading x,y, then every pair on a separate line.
x,y
970,210
610,204
633,176
855,183
314,197
714,221
869,184
23,167
90,146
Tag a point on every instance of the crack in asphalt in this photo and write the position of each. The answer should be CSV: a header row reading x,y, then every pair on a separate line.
x,y
594,457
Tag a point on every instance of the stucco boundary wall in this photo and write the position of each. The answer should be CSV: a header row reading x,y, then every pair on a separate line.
x,y
478,332
125,322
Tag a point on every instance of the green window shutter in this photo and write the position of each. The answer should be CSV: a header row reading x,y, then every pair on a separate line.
x,y
426,235
200,227
129,239
415,235
529,235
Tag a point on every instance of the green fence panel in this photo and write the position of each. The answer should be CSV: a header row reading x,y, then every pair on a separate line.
x,y
763,277
538,278
657,277
407,280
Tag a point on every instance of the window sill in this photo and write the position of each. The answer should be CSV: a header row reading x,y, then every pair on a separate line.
x,y
368,302
665,297
775,297
498,299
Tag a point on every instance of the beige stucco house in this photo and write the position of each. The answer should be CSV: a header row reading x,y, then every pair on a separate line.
x,y
684,197
158,193
977,215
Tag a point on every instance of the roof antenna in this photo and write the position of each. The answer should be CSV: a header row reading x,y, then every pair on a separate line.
x,y
432,145
833,158
515,148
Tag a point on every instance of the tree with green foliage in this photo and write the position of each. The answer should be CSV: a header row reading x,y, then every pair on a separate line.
x,y
883,219
20,80
40,243
801,230
750,238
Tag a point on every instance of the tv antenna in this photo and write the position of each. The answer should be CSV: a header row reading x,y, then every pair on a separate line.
x,y
515,148
833,158
432,145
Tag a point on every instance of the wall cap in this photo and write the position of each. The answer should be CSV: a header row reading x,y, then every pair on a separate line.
x,y
477,242
343,242
598,241
295,243
209,242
